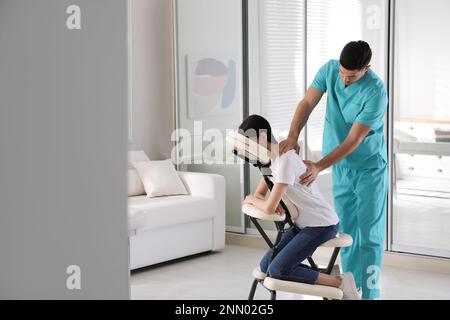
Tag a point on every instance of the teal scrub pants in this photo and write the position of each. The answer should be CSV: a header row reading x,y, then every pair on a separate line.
x,y
360,199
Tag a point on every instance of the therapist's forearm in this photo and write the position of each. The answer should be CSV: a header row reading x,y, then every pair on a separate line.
x,y
338,154
301,117
356,136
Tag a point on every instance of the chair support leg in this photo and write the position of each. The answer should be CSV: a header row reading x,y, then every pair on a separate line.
x,y
263,234
313,264
273,295
333,260
253,290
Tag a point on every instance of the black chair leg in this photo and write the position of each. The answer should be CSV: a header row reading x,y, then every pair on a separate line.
x,y
273,295
253,290
333,260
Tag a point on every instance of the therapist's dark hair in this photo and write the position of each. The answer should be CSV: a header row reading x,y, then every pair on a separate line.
x,y
356,55
254,125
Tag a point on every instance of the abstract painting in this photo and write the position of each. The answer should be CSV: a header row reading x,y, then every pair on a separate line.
x,y
212,86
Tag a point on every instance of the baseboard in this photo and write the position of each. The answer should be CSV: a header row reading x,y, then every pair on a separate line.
x,y
245,240
420,263
234,229
391,259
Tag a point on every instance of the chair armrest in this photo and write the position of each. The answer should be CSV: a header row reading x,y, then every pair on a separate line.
x,y
255,212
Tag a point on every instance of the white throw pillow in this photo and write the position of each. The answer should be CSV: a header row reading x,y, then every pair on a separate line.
x,y
135,186
160,178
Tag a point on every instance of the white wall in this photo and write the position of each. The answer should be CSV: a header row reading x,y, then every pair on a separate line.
x,y
212,28
422,65
153,90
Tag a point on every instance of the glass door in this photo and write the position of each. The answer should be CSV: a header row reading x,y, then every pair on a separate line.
x,y
208,37
421,129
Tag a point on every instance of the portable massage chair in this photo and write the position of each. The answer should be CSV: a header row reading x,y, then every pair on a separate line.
x,y
258,156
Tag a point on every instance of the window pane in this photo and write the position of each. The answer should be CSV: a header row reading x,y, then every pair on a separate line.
x,y
277,65
277,60
331,25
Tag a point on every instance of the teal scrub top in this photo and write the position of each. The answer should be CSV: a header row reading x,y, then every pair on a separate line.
x,y
365,102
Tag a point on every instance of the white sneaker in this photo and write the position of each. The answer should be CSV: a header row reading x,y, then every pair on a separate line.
x,y
336,271
360,293
348,287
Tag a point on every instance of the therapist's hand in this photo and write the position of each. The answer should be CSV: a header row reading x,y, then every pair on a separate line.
x,y
288,145
311,175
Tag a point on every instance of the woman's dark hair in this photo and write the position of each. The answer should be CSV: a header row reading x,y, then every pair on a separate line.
x,y
356,55
254,125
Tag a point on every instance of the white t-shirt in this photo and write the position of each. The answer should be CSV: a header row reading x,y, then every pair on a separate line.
x,y
314,210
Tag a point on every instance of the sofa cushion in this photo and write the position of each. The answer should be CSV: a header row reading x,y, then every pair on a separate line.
x,y
169,211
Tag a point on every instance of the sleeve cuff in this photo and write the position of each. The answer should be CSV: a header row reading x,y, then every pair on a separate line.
x,y
321,89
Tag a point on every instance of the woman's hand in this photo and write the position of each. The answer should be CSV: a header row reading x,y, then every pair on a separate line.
x,y
280,211
311,175
250,200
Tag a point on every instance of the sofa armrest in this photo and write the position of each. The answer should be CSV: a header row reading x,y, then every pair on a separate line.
x,y
203,184
135,219
209,186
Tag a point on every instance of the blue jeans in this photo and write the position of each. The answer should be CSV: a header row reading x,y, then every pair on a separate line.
x,y
294,248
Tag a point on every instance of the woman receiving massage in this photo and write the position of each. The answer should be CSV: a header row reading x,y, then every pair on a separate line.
x,y
317,223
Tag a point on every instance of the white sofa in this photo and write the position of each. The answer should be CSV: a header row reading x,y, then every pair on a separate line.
x,y
167,228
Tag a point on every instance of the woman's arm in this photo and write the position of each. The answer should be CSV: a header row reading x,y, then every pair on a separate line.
x,y
261,190
271,204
